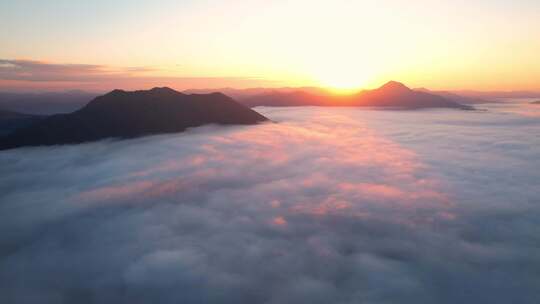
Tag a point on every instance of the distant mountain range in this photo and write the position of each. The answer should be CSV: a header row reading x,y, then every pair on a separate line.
x,y
240,94
313,95
463,99
122,114
46,103
498,94
65,102
392,94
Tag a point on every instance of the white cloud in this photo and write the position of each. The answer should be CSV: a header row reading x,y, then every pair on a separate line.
x,y
324,206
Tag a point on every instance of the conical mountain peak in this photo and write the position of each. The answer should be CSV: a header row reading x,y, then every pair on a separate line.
x,y
394,86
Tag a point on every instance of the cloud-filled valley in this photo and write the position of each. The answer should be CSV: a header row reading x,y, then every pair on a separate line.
x,y
323,205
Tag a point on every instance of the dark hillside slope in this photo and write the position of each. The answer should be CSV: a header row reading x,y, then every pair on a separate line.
x,y
124,114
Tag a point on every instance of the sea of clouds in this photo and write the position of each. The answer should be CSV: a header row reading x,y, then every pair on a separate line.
x,y
321,206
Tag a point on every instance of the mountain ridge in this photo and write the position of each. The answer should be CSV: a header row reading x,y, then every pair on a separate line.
x,y
125,114
12,120
392,94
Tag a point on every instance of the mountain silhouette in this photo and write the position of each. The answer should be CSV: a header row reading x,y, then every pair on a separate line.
x,y
394,87
285,99
395,94
122,114
45,103
11,121
467,100
392,94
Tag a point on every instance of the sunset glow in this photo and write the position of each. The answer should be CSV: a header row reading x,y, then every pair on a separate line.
x,y
341,80
345,45
269,151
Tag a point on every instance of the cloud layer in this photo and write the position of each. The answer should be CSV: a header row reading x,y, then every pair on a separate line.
x,y
323,206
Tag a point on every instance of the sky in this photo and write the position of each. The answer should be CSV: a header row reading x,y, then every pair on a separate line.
x,y
480,45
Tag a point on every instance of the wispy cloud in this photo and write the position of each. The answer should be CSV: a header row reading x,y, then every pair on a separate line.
x,y
29,70
39,74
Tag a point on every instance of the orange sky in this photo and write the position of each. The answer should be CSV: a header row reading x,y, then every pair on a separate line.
x,y
485,45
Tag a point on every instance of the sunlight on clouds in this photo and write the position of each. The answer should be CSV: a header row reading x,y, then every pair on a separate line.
x,y
355,169
324,205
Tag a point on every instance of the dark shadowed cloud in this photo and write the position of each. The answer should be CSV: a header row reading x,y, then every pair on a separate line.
x,y
323,206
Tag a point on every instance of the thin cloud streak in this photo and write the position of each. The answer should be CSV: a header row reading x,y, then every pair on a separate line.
x,y
32,74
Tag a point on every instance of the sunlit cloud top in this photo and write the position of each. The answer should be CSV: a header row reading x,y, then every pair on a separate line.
x,y
486,45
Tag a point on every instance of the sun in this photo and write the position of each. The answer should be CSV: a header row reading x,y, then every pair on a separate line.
x,y
341,80
341,85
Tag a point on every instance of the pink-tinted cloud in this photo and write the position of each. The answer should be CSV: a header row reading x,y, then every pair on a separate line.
x,y
40,75
322,206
